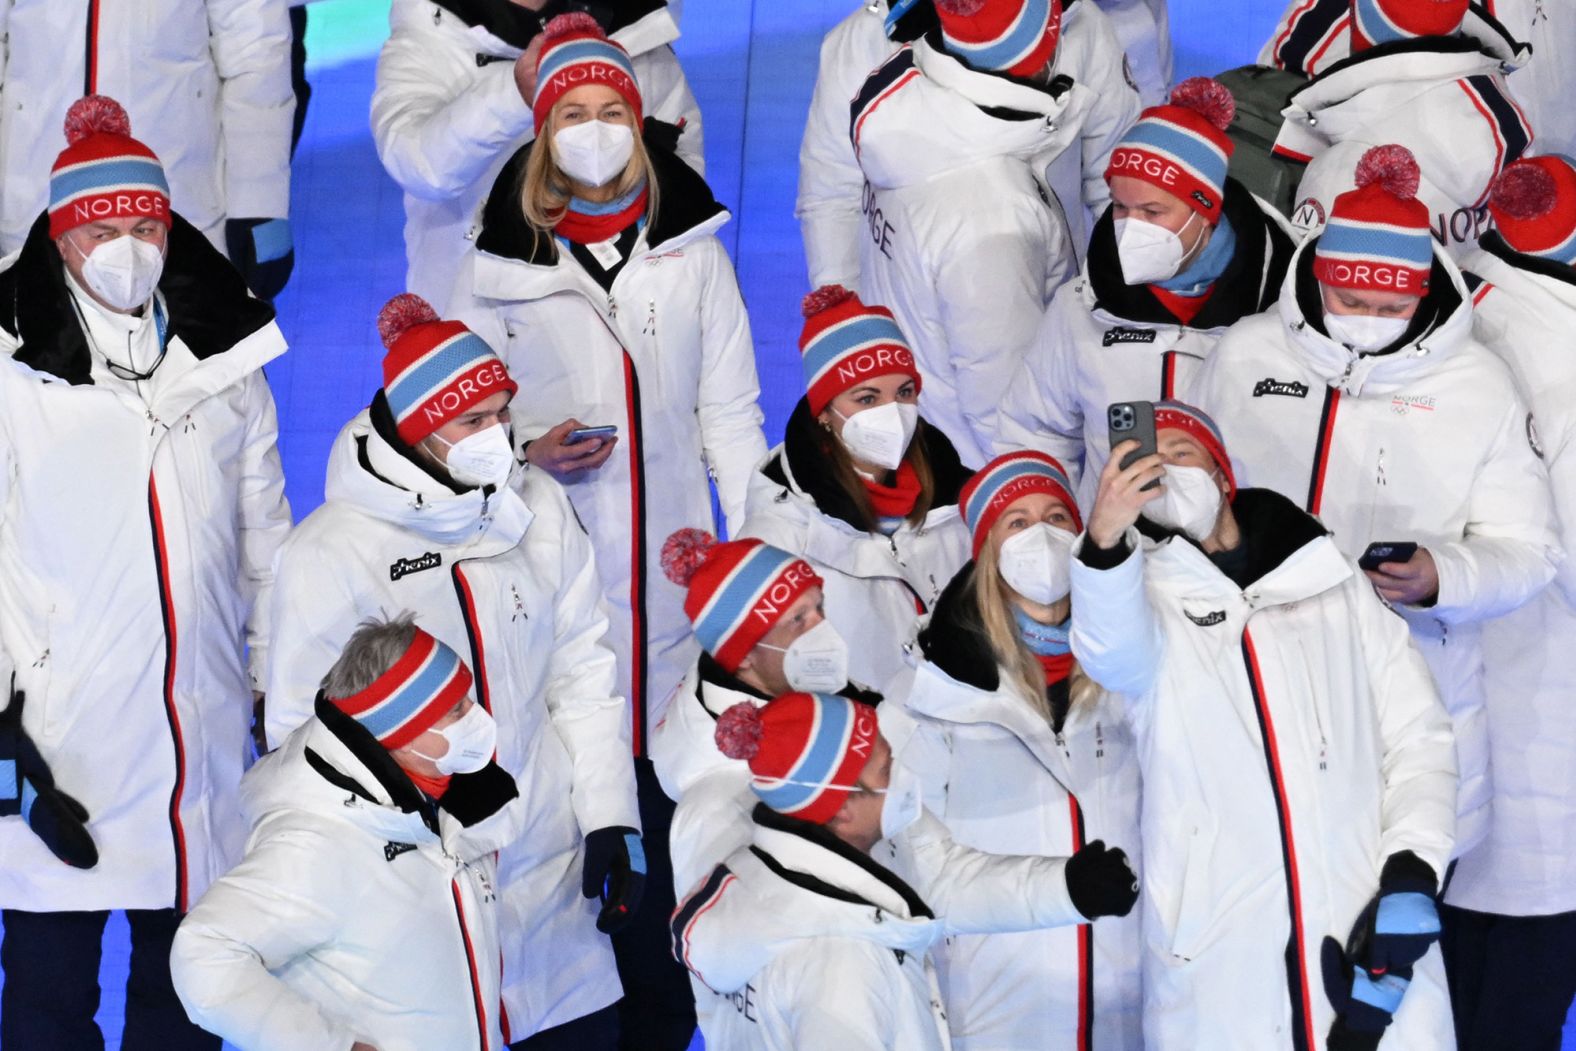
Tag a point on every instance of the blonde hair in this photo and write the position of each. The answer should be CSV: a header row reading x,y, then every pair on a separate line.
x,y
544,190
853,486
1000,628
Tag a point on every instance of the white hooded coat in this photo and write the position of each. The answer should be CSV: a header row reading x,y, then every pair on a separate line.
x,y
509,582
1427,443
1290,742
205,82
447,116
350,919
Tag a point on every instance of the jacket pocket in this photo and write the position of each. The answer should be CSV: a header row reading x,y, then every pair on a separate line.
x,y
1195,906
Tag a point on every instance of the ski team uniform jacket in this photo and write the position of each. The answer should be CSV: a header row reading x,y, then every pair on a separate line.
x,y
1426,443
1445,99
508,580
667,357
136,554
1104,341
1004,781
828,947
359,913
836,215
960,214
446,116
1290,742
1525,311
879,588
206,82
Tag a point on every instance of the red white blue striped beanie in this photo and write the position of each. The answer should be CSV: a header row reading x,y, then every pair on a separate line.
x,y
1377,238
1001,36
414,693
737,592
1182,147
844,342
104,173
1006,479
575,52
806,750
1383,21
434,370
1178,415
1534,206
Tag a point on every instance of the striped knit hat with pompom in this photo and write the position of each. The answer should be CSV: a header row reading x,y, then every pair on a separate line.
x,y
575,53
1017,37
1534,207
1182,147
1377,238
1005,479
1384,21
806,750
104,173
845,342
434,370
736,592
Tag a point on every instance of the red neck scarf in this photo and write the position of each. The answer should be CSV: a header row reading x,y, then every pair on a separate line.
x,y
433,786
588,224
1057,667
1183,308
898,499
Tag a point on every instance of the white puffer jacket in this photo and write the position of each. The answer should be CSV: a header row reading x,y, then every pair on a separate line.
x,y
508,581
1526,866
834,213
1427,443
1446,100
667,357
205,82
960,214
1104,341
879,589
137,543
351,918
446,117
1290,742
1004,781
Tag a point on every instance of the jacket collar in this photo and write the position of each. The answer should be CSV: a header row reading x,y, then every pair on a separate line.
x,y
953,641
813,859
1014,99
718,690
210,309
1250,284
1494,244
1482,35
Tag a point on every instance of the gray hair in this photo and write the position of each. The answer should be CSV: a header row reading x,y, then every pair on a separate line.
x,y
374,648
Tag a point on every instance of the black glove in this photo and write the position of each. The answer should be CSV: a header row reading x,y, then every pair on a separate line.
x,y
1101,882
263,251
661,133
616,870
479,795
1364,1003
1402,921
28,788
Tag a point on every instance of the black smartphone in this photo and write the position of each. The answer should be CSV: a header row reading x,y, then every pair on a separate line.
x,y
1127,420
580,434
1386,551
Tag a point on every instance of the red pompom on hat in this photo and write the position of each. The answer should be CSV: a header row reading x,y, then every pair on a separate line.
x,y
845,342
1182,147
576,53
805,750
1377,238
104,173
434,370
1017,37
1386,21
1534,207
737,592
684,553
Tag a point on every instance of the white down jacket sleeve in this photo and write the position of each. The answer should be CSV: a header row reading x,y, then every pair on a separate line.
x,y
1509,549
250,40
1116,634
273,907
728,408
265,518
308,615
1115,109
591,718
1418,812
1042,408
439,121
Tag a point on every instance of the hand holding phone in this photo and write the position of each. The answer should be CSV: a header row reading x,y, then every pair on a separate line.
x,y
1132,421
1382,551
581,434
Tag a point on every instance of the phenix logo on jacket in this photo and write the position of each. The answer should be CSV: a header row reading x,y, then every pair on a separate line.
x,y
1461,480
546,676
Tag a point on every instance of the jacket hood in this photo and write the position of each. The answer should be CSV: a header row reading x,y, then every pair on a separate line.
x,y
686,209
1250,284
923,113
1563,276
210,308
953,641
799,465
372,470
504,29
1442,325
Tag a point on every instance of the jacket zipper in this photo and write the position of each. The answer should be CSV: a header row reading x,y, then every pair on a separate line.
x,y
161,566
1085,939
637,578
1168,374
470,960
90,51
1321,449
473,633
1297,979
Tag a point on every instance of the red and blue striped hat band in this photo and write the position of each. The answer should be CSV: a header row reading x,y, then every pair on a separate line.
x,y
436,371
740,593
859,346
1177,150
1383,21
577,54
1372,255
813,748
1179,415
1010,36
1004,481
414,693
